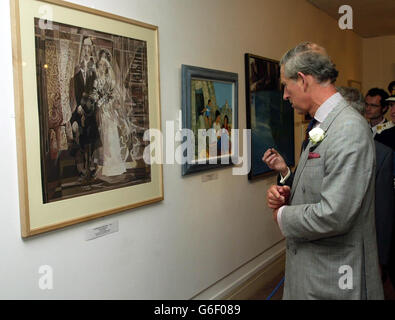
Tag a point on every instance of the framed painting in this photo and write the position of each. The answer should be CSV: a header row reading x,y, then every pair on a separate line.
x,y
86,91
209,114
270,118
355,84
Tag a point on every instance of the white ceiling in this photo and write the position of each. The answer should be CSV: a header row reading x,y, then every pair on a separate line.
x,y
372,18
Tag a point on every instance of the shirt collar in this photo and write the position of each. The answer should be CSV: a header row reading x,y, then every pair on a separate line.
x,y
381,122
327,107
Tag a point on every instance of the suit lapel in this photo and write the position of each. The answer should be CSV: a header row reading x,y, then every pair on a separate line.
x,y
305,154
302,163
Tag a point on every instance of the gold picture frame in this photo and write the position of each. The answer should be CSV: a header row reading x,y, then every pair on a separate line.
x,y
65,176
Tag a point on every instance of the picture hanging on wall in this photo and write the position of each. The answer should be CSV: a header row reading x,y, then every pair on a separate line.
x,y
270,118
86,91
355,84
209,114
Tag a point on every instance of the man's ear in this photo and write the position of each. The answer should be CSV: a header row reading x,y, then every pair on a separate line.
x,y
384,110
302,79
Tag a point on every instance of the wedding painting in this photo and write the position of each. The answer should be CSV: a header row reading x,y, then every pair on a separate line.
x,y
93,110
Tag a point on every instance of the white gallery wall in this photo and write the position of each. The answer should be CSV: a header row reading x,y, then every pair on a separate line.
x,y
205,237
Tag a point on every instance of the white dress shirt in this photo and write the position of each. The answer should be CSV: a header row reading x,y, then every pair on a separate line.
x,y
320,116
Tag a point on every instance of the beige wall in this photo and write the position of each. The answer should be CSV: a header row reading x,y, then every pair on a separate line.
x,y
378,62
204,238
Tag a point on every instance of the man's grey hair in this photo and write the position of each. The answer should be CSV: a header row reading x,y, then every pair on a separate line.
x,y
354,97
309,59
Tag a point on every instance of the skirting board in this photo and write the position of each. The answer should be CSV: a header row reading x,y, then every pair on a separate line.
x,y
233,282
262,281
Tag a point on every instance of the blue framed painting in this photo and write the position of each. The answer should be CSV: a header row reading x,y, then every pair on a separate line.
x,y
270,118
210,112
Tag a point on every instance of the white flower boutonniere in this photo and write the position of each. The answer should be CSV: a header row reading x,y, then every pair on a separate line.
x,y
316,135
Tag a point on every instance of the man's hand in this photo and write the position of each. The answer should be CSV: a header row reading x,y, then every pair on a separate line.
x,y
275,161
277,196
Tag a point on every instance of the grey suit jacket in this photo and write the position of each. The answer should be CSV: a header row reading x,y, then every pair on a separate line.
x,y
330,223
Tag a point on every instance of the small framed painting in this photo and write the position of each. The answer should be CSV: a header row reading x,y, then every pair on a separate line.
x,y
210,114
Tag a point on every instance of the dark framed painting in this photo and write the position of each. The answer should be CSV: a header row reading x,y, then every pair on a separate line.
x,y
270,118
209,114
86,92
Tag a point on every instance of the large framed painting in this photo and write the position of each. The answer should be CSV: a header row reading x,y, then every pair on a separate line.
x,y
270,118
210,116
86,92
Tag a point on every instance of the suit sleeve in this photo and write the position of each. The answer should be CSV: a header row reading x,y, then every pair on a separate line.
x,y
349,160
384,208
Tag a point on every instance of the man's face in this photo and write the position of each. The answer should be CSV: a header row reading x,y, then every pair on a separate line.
x,y
293,92
86,51
373,107
392,111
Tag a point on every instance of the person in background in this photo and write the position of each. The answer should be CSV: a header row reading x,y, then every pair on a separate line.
x,y
388,136
384,193
375,109
386,133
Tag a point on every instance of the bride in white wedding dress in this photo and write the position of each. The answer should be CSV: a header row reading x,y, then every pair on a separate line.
x,y
106,96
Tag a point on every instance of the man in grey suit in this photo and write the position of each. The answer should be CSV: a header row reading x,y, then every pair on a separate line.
x,y
328,215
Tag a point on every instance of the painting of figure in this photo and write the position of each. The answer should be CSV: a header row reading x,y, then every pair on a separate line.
x,y
270,118
92,90
212,114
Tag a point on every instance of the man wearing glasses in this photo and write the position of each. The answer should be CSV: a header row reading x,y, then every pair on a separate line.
x,y
376,108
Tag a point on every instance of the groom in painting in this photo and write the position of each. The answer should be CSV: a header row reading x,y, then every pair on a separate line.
x,y
83,121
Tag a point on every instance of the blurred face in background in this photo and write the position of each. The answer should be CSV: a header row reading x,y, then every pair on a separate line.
x,y
373,108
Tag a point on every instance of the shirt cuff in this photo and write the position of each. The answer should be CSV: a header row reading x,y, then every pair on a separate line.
x,y
283,179
279,213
